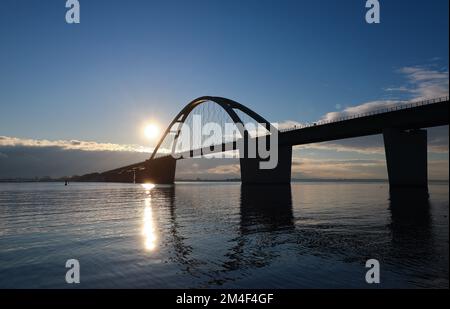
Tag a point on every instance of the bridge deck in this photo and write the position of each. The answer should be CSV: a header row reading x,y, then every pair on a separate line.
x,y
410,116
416,115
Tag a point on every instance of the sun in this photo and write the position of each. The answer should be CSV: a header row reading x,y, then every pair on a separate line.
x,y
151,131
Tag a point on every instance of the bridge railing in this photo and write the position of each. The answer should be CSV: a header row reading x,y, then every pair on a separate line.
x,y
371,113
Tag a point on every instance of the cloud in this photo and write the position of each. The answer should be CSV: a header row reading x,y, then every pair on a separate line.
x,y
71,145
21,161
361,109
421,83
363,145
288,124
349,162
438,169
342,169
228,169
403,89
29,158
425,83
438,140
214,169
419,74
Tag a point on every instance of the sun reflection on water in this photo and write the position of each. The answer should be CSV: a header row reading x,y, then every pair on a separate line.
x,y
147,187
149,227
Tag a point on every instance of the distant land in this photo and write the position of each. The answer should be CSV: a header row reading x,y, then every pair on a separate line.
x,y
74,179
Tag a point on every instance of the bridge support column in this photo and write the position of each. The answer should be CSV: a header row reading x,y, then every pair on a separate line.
x,y
406,158
158,171
251,173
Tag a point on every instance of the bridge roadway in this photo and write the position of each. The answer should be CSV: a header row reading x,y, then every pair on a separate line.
x,y
404,117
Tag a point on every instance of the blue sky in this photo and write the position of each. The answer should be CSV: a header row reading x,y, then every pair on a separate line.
x,y
131,61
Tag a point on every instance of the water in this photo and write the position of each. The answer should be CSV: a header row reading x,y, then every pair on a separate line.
x,y
222,235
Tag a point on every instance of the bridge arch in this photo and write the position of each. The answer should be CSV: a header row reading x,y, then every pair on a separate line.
x,y
227,105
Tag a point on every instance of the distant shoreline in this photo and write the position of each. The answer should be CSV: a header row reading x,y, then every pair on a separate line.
x,y
21,180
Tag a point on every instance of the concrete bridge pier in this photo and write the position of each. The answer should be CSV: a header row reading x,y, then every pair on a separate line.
x,y
406,158
251,173
158,171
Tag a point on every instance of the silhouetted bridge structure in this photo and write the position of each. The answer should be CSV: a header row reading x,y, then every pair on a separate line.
x,y
402,126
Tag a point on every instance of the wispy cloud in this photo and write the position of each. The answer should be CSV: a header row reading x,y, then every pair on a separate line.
x,y
32,161
438,169
229,169
340,162
346,147
25,157
361,109
72,145
345,169
287,124
424,82
421,83
214,169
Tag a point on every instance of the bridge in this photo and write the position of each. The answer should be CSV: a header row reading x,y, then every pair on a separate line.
x,y
403,127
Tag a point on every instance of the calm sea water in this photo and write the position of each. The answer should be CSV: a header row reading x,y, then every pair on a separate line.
x,y
222,235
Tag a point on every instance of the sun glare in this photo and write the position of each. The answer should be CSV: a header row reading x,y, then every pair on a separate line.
x,y
147,186
151,131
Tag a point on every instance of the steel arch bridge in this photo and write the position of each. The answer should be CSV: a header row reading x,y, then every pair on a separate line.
x,y
162,169
229,106
402,127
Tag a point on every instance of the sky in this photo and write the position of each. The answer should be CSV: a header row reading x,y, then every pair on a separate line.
x,y
74,97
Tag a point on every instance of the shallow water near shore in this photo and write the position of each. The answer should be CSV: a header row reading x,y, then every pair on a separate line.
x,y
222,235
